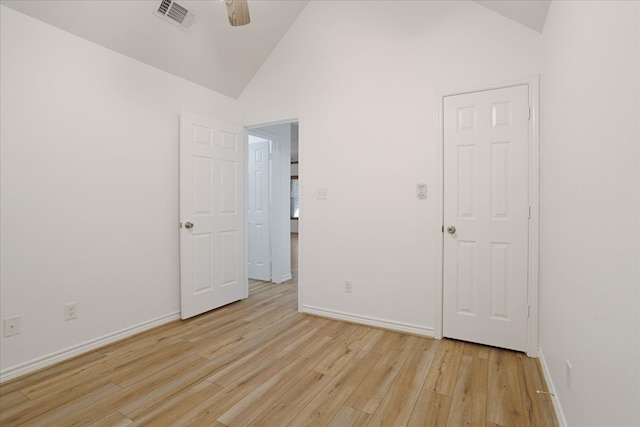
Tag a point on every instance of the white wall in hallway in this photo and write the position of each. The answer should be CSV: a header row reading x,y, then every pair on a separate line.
x,y
364,79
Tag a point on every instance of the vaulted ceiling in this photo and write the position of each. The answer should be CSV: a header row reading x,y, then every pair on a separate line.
x,y
211,52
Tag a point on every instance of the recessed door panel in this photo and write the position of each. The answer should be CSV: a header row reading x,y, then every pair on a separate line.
x,y
500,281
465,194
229,182
500,180
229,265
202,280
202,191
466,278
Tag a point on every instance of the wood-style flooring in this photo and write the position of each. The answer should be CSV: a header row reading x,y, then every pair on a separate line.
x,y
259,362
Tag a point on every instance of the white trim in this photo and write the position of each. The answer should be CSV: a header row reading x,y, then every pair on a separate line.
x,y
534,220
62,355
245,201
369,321
285,278
562,422
439,259
533,83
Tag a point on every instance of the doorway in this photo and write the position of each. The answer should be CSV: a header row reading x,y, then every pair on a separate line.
x,y
277,220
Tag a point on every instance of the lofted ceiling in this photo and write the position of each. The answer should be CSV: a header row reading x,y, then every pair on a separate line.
x,y
211,53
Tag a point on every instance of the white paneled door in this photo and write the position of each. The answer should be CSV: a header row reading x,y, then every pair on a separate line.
x,y
486,214
258,211
212,220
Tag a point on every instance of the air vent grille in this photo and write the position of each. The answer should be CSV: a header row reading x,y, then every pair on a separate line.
x,y
164,6
176,14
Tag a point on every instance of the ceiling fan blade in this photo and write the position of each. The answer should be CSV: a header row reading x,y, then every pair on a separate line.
x,y
238,11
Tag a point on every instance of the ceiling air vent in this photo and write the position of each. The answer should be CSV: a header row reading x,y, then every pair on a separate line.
x,y
176,14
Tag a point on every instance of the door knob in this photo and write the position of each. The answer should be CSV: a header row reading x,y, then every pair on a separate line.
x,y
451,229
188,225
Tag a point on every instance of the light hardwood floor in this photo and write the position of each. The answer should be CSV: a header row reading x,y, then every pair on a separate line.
x,y
258,362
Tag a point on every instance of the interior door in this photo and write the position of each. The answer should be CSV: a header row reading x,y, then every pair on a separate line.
x,y
258,211
212,221
486,214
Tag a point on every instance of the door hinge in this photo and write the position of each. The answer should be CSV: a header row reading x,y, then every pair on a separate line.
x,y
443,228
529,212
529,118
528,311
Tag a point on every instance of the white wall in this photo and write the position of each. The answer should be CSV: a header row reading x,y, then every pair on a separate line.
x,y
590,276
89,183
364,79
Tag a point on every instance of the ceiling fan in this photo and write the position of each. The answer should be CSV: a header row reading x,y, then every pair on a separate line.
x,y
238,11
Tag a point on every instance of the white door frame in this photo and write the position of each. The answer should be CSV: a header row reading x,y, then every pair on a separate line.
x,y
533,84
277,273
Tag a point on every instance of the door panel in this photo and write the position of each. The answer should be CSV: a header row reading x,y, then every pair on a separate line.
x,y
259,212
486,200
211,186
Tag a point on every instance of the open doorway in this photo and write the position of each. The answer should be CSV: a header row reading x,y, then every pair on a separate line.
x,y
273,211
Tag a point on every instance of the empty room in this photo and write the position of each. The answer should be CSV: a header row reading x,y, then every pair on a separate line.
x,y
320,212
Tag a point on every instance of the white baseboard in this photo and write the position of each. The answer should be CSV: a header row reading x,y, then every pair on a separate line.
x,y
59,356
370,321
552,389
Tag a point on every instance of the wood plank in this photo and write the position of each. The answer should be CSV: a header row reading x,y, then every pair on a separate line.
x,y
64,409
347,416
397,404
537,407
431,410
114,419
372,389
169,410
469,403
504,400
279,382
444,369
328,402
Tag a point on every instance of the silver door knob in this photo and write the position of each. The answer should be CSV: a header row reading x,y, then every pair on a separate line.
x,y
451,229
188,225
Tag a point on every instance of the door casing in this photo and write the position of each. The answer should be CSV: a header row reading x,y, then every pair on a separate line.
x,y
533,84
278,273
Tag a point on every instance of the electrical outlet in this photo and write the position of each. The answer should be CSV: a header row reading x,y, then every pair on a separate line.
x,y
71,311
322,193
569,375
11,326
348,286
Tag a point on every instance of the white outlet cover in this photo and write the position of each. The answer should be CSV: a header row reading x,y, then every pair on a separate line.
x,y
11,326
322,193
